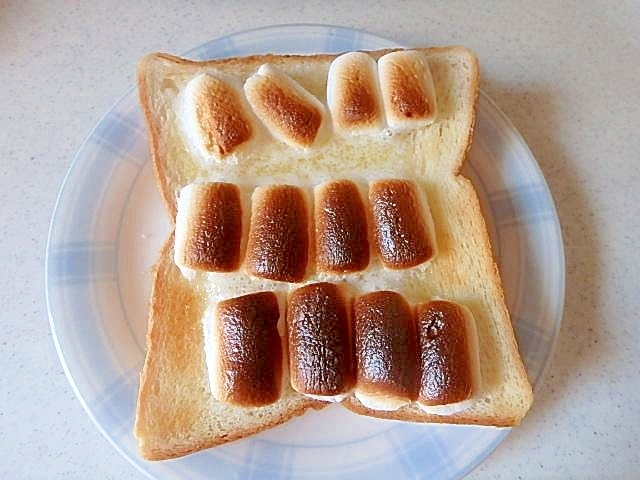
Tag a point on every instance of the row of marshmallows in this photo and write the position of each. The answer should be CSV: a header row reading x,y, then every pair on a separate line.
x,y
286,239
363,96
327,346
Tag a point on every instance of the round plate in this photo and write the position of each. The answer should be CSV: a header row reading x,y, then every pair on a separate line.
x,y
108,226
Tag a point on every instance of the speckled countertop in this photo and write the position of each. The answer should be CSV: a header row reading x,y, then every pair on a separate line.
x,y
566,73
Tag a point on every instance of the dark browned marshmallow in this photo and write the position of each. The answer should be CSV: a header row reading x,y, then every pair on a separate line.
x,y
353,94
216,115
401,224
290,112
342,243
446,362
385,350
318,332
278,243
249,350
209,227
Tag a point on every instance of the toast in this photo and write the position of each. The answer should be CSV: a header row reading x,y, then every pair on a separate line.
x,y
254,148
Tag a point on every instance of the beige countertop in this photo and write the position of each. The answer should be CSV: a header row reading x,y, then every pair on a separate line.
x,y
565,73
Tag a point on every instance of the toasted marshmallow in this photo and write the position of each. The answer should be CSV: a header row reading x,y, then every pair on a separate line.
x,y
290,112
353,94
208,233
402,223
278,243
215,115
386,351
244,350
408,92
449,357
319,340
342,243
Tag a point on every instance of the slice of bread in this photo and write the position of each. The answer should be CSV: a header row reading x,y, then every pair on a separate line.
x,y
256,146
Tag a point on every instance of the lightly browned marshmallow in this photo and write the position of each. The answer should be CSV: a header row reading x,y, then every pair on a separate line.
x,y
290,112
208,230
386,351
246,350
278,243
216,116
353,94
402,223
408,92
319,340
342,243
449,361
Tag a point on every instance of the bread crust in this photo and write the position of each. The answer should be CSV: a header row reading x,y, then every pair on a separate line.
x,y
175,413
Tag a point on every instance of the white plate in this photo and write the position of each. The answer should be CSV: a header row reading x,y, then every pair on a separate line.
x,y
109,224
